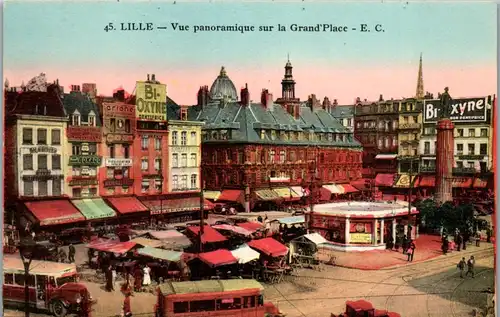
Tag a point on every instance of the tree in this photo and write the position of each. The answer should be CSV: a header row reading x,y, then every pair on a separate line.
x,y
448,215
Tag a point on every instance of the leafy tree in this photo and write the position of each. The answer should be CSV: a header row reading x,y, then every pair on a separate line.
x,y
448,215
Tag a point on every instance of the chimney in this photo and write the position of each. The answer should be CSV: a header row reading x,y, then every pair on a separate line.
x,y
148,77
203,94
335,103
153,79
358,100
266,99
327,105
381,98
313,103
296,112
119,95
245,96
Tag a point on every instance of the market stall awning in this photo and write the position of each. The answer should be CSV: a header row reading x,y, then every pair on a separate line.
x,y
480,183
462,182
210,235
301,192
245,254
54,212
127,205
427,181
113,246
405,181
347,188
286,193
361,184
161,254
269,246
384,180
94,208
235,229
211,194
315,238
386,156
332,188
159,206
292,220
232,195
324,194
267,194
218,258
251,225
171,238
145,242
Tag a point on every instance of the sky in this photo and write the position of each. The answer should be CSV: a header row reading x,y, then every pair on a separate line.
x,y
67,41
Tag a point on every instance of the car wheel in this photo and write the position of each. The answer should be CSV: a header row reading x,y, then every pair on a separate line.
x,y
58,309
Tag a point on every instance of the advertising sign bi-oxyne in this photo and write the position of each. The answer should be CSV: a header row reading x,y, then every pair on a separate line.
x,y
462,110
151,101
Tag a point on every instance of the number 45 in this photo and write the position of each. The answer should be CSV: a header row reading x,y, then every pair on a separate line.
x,y
109,27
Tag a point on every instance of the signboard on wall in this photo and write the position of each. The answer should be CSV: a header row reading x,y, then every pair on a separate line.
x,y
118,109
462,110
118,162
85,134
85,160
365,238
151,101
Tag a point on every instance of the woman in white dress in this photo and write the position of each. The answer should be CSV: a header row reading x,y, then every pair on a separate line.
x,y
147,278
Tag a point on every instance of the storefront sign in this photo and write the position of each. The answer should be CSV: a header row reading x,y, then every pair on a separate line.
x,y
43,149
471,157
118,109
118,162
151,101
124,182
85,160
84,134
83,182
365,238
119,138
462,110
148,125
404,181
42,175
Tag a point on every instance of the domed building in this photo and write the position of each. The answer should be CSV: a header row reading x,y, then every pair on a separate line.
x,y
223,88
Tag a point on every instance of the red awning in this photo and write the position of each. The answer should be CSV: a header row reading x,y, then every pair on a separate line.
x,y
269,246
427,181
324,194
251,226
348,188
361,184
54,212
113,246
462,182
210,235
384,180
164,206
231,195
218,258
480,183
127,205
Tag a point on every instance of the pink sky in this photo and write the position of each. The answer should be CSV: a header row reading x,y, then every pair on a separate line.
x,y
343,83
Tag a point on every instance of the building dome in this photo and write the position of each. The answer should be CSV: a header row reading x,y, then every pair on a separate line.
x,y
223,87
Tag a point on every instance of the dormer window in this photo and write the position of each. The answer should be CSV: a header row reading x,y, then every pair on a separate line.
x,y
76,118
262,134
92,121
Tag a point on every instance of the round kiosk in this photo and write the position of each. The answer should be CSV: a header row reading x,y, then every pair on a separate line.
x,y
362,226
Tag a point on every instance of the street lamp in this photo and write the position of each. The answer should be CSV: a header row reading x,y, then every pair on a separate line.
x,y
26,250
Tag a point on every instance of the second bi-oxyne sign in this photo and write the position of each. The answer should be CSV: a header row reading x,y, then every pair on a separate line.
x,y
462,110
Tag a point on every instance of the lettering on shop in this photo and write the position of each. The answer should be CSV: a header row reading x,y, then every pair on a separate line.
x,y
83,182
151,101
118,162
119,138
85,160
124,182
119,109
89,134
43,149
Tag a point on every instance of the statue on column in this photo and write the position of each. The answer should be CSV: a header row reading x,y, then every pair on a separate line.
x,y
445,104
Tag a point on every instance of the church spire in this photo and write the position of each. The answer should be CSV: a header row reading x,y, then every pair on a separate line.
x,y
420,81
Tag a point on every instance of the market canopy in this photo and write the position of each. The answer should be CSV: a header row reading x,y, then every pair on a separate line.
x,y
332,188
218,258
54,212
113,246
235,229
250,225
292,220
94,208
145,242
245,254
171,238
210,235
315,238
127,205
163,206
269,246
161,254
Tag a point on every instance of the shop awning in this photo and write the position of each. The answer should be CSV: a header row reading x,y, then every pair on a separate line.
x,y
462,182
161,254
361,184
251,226
315,238
384,180
267,194
286,193
245,254
171,238
145,242
112,246
347,188
386,156
301,192
235,229
94,208
164,206
324,194
211,194
127,205
269,246
218,258
480,183
54,212
332,188
427,181
232,195
405,181
292,220
210,235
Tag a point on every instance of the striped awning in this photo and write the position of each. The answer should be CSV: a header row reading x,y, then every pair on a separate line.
x,y
267,194
286,192
334,189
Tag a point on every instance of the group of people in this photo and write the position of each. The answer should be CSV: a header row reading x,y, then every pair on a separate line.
x,y
469,264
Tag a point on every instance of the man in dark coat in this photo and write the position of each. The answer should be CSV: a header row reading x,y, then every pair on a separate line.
x,y
108,272
137,279
71,253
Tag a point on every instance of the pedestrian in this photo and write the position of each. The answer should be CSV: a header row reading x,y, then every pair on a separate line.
x,y
478,239
113,276
409,254
412,248
465,240
62,256
445,245
71,253
470,266
126,309
146,281
461,267
137,279
405,244
109,278
459,242
90,254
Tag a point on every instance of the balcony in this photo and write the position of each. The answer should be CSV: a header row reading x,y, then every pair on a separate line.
x,y
410,126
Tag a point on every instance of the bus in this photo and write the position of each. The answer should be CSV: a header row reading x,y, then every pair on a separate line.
x,y
236,298
53,286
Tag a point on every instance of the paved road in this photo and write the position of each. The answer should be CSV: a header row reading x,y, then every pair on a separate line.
x,y
430,289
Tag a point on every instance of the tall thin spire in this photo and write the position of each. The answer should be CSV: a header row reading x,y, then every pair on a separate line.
x,y
420,81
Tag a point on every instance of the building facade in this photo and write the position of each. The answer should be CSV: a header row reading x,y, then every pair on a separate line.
x,y
84,136
344,114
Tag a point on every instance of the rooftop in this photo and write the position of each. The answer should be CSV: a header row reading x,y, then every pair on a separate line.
x,y
362,208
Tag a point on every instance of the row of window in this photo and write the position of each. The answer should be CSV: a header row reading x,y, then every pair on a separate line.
x,y
84,192
20,280
218,304
471,148
42,162
193,162
41,136
192,141
145,164
43,188
76,119
146,185
461,132
183,184
460,164
382,124
145,143
303,136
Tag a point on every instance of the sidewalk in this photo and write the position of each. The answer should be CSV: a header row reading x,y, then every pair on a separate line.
x,y
427,247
